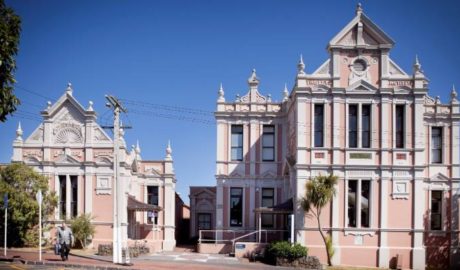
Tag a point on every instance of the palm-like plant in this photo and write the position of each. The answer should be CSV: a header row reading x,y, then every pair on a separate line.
x,y
319,192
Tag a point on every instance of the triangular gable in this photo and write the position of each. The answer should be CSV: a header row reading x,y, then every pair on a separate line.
x,y
269,174
324,69
372,34
439,177
56,107
362,86
36,136
66,159
204,191
395,70
99,135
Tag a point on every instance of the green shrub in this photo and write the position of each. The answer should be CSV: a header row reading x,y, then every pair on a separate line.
x,y
284,249
82,229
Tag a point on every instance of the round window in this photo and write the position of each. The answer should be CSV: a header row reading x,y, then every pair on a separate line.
x,y
359,65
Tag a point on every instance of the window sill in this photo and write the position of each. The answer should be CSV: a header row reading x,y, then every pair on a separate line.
x,y
359,231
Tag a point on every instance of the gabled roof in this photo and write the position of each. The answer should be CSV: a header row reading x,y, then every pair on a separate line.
x,y
361,31
67,96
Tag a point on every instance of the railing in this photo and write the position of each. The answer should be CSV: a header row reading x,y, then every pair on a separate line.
x,y
223,236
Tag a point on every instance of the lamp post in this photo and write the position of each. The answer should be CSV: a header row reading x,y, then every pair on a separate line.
x,y
39,198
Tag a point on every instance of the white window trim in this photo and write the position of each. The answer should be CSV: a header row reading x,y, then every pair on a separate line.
x,y
230,141
243,221
359,134
443,145
405,128
361,230
146,201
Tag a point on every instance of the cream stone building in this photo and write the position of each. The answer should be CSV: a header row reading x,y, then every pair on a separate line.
x,y
76,154
364,119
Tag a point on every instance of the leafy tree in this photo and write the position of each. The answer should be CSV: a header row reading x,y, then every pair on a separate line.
x,y
82,228
319,192
21,183
10,28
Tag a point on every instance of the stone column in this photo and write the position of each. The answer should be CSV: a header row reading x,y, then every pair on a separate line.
x,y
68,194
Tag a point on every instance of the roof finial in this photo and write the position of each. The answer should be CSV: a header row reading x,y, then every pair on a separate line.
x,y
417,65
269,98
238,98
301,66
453,95
359,9
138,148
438,100
221,94
90,106
19,132
69,88
48,105
168,151
253,80
285,93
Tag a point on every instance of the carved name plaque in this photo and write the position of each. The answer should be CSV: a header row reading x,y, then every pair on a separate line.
x,y
400,83
318,82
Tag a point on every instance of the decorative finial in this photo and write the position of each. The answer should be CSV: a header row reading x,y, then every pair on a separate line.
x,y
417,65
359,9
69,88
438,100
253,80
168,150
453,95
138,148
238,99
48,105
19,132
90,106
221,94
285,93
269,98
301,66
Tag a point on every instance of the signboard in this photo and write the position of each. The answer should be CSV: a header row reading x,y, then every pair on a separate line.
x,y
240,246
39,197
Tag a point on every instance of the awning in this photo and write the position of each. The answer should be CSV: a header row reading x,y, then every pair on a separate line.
x,y
135,205
282,208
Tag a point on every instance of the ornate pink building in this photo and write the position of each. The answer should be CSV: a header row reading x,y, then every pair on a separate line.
x,y
76,154
362,118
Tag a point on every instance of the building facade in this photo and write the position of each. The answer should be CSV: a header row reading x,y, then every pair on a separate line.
x,y
358,116
202,210
76,154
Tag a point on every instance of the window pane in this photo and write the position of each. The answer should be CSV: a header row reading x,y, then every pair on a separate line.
x,y
436,144
268,140
267,220
236,207
352,126
352,188
152,195
365,200
268,129
366,126
319,124
266,202
267,154
268,192
436,210
400,126
237,140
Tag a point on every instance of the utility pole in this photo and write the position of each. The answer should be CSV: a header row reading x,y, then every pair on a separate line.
x,y
119,217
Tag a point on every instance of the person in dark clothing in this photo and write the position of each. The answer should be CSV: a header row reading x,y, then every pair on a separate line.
x,y
65,239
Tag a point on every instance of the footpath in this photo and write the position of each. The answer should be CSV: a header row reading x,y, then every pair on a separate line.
x,y
79,259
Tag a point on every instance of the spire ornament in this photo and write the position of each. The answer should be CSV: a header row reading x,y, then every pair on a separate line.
x,y
221,94
69,88
417,66
285,93
19,132
48,105
138,148
168,151
359,9
453,95
301,66
253,81
90,106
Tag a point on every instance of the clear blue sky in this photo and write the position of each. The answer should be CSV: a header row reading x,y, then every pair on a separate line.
x,y
177,52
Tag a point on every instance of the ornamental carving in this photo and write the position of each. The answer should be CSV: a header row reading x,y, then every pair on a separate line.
x,y
99,135
68,133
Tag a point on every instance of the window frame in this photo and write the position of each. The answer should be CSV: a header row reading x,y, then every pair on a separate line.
x,y
321,132
349,131
358,210
273,133
198,215
232,147
360,126
441,211
400,135
231,196
152,217
441,146
272,197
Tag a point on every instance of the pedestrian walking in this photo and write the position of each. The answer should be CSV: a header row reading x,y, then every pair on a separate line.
x,y
65,239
